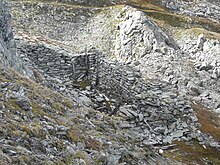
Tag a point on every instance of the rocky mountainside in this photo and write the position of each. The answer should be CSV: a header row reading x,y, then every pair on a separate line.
x,y
110,82
39,126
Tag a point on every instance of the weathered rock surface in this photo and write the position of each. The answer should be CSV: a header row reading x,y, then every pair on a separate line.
x,y
138,36
8,54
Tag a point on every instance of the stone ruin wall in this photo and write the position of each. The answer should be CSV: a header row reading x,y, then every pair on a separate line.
x,y
152,106
61,64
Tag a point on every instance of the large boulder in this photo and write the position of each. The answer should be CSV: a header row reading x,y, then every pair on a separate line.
x,y
138,36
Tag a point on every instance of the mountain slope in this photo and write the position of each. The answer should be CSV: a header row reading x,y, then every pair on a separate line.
x,y
139,75
39,126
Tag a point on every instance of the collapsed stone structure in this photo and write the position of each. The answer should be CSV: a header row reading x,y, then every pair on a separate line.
x,y
154,109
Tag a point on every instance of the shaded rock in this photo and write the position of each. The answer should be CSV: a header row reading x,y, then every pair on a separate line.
x,y
178,133
24,104
8,54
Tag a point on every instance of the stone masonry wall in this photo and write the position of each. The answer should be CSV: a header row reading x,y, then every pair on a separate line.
x,y
154,108
61,64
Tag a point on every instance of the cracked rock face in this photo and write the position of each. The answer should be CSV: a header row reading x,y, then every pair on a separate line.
x,y
8,54
190,59
138,36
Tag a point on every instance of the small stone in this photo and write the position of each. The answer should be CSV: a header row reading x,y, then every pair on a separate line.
x,y
2,106
70,150
24,104
100,99
141,117
81,146
125,112
135,114
168,139
184,125
177,134
12,152
130,78
214,144
126,125
160,151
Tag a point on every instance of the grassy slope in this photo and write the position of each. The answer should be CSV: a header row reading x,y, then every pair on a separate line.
x,y
165,18
194,153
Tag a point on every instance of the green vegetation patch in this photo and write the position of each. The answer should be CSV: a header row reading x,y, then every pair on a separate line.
x,y
193,153
195,32
209,120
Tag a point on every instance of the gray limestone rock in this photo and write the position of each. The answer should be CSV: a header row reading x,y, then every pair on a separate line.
x,y
8,54
138,36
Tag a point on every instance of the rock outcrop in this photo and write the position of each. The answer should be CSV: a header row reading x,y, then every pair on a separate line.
x,y
138,36
202,49
8,54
